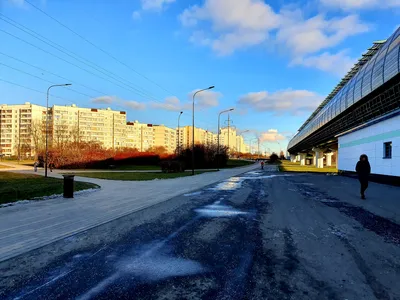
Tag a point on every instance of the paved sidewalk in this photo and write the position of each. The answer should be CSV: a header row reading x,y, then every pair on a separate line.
x,y
33,225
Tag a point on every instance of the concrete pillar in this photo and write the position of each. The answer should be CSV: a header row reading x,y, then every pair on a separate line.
x,y
314,160
302,159
329,159
318,158
292,158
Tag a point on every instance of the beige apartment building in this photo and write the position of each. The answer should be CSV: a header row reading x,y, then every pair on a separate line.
x,y
201,136
21,129
139,136
72,123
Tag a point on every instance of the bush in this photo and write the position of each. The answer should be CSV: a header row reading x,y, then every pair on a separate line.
x,y
205,156
273,158
172,166
85,155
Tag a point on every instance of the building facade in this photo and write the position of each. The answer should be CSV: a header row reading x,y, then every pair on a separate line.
x,y
22,129
380,140
72,123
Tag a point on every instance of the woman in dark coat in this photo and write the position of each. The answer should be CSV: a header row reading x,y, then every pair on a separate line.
x,y
363,169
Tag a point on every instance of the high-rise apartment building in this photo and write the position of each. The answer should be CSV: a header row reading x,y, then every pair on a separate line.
x,y
201,136
228,138
72,123
21,129
165,137
139,136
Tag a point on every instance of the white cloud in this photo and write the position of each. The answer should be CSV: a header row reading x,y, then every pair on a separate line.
x,y
136,15
19,3
289,101
117,101
227,26
338,64
361,4
170,103
203,100
272,135
308,36
104,100
134,105
156,5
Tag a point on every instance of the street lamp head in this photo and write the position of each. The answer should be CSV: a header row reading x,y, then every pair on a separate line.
x,y
181,112
211,87
67,84
231,109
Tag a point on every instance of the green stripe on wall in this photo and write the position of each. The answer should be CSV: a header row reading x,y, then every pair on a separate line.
x,y
375,138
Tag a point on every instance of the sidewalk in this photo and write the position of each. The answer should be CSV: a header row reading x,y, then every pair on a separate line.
x,y
36,224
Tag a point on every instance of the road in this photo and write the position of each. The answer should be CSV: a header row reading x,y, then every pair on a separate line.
x,y
260,235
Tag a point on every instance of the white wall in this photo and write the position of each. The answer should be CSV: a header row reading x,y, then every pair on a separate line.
x,y
370,141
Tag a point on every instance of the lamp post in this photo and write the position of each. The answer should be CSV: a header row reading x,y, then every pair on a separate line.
x,y
194,95
179,131
219,116
47,124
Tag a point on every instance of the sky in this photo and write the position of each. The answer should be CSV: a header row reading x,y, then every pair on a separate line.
x,y
272,61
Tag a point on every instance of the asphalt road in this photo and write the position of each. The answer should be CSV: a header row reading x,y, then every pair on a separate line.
x,y
261,235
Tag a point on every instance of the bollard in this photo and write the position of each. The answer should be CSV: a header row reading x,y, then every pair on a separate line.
x,y
68,186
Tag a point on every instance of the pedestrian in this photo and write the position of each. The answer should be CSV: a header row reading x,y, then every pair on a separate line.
x,y
35,166
262,165
363,169
51,166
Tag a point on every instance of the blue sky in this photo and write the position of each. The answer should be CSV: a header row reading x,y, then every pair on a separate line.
x,y
274,61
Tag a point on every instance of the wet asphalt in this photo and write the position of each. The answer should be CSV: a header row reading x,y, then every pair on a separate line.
x,y
261,235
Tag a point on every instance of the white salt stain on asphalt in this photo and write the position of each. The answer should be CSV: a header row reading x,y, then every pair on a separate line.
x,y
216,210
193,194
150,265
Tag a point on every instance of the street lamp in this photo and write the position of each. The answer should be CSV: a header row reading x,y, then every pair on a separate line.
x,y
179,130
47,124
194,95
219,116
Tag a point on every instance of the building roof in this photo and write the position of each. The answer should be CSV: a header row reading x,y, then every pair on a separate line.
x,y
361,62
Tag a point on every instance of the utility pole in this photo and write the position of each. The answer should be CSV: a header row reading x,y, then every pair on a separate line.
x,y
229,121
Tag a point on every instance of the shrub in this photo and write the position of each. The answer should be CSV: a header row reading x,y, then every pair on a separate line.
x,y
273,158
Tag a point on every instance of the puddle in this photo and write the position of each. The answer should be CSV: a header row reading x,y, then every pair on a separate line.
x,y
231,184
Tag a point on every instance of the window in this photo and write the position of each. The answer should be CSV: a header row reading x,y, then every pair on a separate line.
x,y
387,150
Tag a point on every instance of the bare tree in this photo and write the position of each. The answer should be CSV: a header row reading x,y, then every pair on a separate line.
x,y
38,134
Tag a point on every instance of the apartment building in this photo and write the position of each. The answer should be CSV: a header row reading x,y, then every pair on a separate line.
x,y
72,123
139,136
165,137
228,138
21,129
201,136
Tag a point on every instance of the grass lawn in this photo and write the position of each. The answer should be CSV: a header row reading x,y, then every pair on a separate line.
x,y
288,166
26,162
15,186
138,168
235,163
129,176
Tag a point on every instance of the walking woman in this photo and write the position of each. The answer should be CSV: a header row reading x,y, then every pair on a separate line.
x,y
363,169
